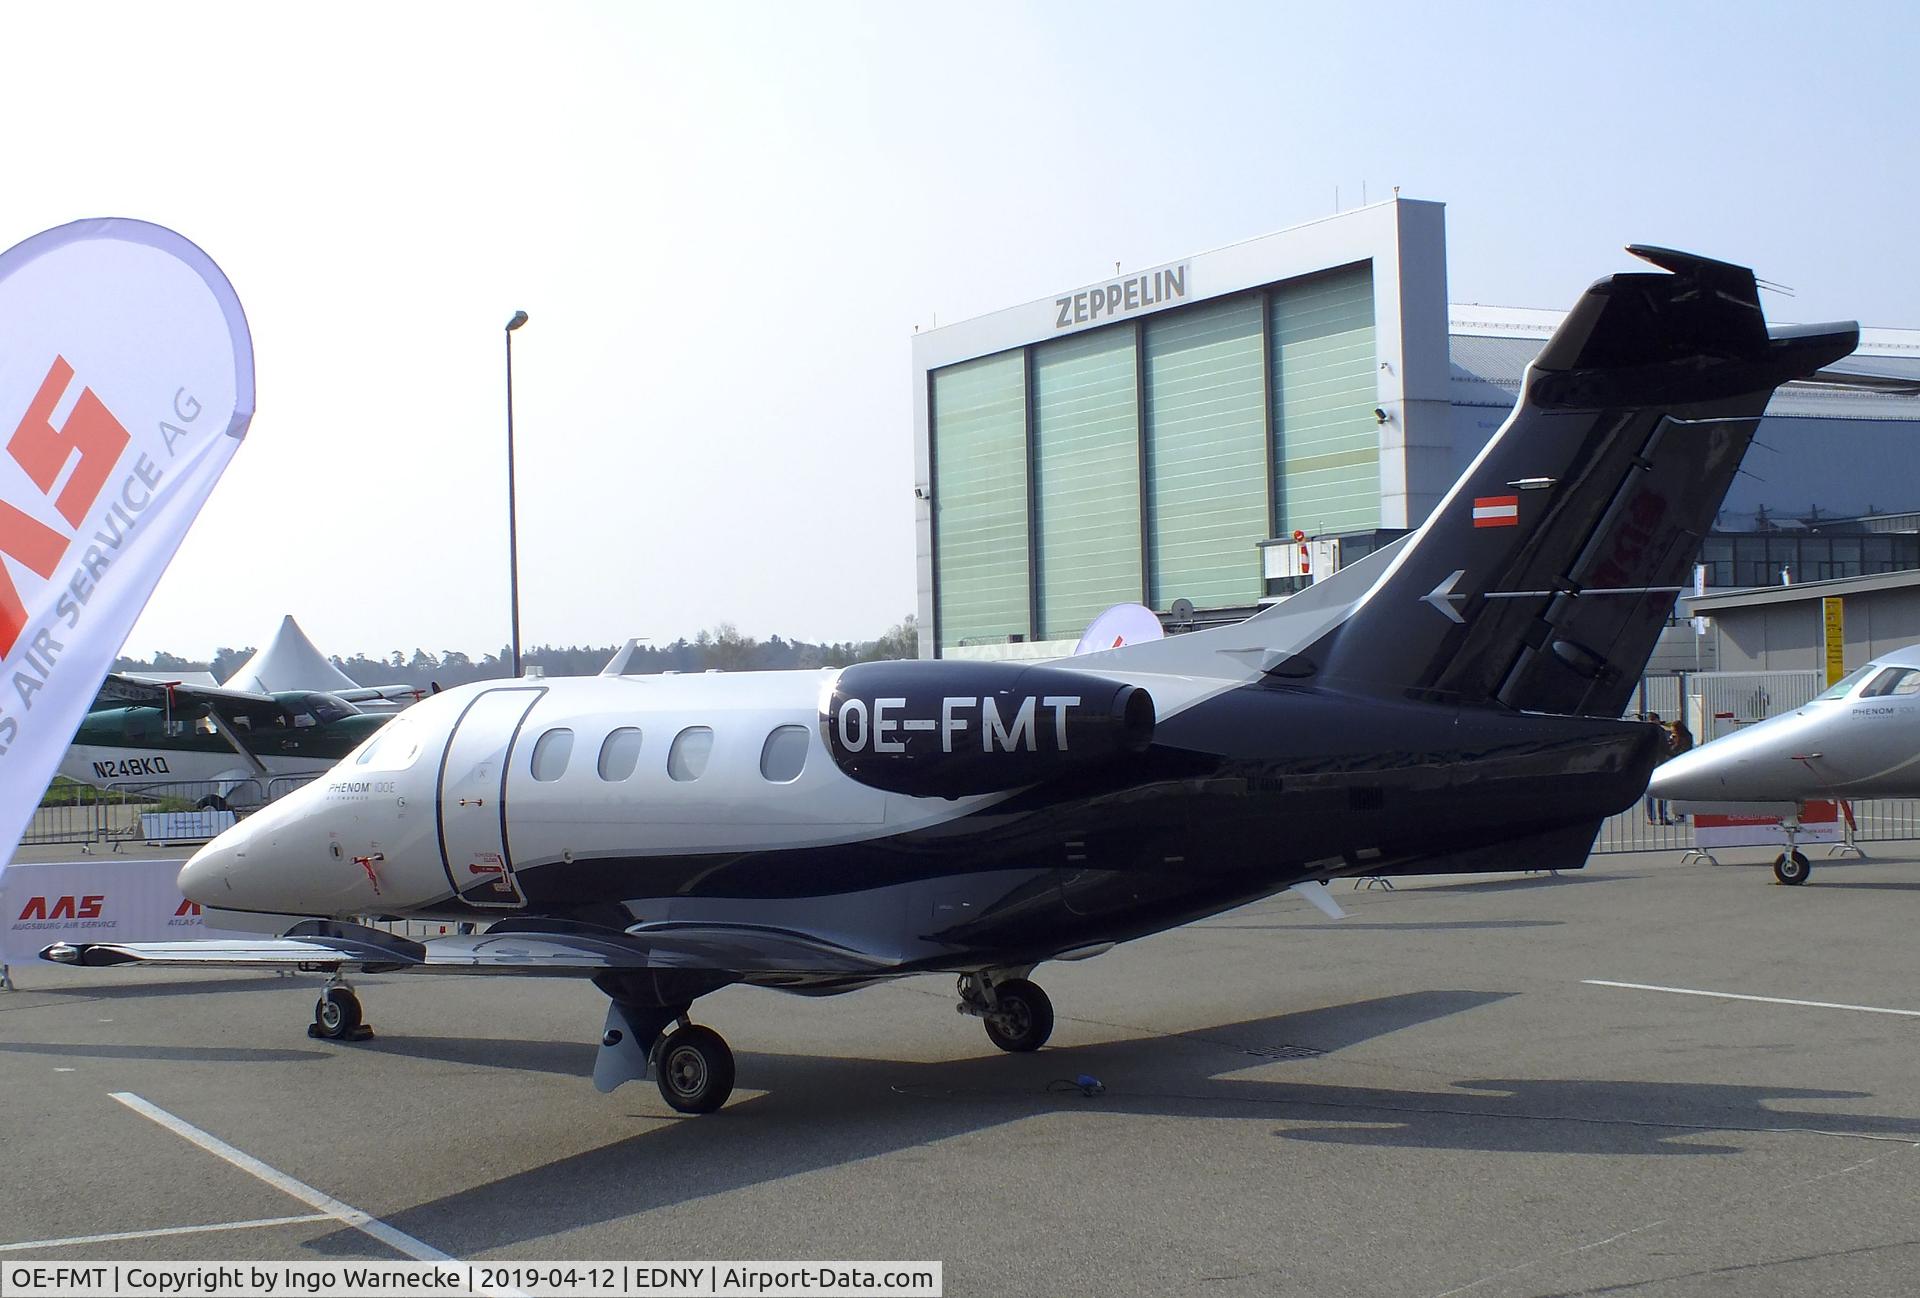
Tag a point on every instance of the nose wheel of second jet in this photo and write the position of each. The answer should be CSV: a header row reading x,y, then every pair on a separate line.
x,y
1792,867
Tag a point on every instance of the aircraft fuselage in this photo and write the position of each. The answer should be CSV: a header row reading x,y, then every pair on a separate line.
x,y
462,810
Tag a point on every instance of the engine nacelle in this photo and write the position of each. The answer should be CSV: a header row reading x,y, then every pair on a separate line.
x,y
946,728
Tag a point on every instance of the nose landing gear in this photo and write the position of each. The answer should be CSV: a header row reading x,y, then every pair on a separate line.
x,y
1792,866
336,1015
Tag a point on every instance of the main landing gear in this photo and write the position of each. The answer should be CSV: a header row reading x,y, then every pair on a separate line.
x,y
336,1015
1018,1016
648,1031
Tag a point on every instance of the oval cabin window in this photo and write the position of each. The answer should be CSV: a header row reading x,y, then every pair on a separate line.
x,y
550,754
619,754
784,755
687,759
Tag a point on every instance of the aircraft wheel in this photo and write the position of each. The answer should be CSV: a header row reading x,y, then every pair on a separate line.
x,y
336,1015
213,802
695,1072
1022,1017
1792,867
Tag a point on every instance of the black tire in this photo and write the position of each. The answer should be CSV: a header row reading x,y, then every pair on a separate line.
x,y
336,1015
1022,1018
213,802
695,1070
1792,868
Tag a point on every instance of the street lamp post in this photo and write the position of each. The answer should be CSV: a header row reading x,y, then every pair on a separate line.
x,y
513,535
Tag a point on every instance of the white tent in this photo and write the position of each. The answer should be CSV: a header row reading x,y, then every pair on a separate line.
x,y
289,662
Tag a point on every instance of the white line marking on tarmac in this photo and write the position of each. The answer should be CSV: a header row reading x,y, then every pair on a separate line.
x,y
345,1214
118,1235
1764,1000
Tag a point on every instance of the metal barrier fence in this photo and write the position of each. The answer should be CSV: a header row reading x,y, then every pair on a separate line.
x,y
1879,821
164,811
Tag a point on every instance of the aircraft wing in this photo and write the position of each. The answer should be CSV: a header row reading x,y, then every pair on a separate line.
x,y
510,947
120,689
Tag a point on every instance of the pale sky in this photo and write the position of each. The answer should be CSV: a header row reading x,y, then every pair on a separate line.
x,y
725,222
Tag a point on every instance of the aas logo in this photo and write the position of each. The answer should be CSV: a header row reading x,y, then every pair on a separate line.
x,y
43,451
63,908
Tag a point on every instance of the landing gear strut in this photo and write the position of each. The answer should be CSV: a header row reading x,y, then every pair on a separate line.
x,y
648,1031
1792,866
1018,1016
336,1015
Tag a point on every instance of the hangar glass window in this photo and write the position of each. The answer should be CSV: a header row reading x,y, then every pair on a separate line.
x,y
784,755
979,414
1842,687
1323,383
619,754
550,754
1086,469
687,759
1206,453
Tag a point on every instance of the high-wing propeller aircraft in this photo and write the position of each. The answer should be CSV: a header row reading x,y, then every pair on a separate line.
x,y
1860,739
234,741
1449,703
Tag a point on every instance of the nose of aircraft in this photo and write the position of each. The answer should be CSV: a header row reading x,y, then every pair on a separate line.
x,y
206,878
1752,765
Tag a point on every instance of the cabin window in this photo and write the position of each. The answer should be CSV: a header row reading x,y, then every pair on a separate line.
x,y
550,754
619,754
784,755
687,759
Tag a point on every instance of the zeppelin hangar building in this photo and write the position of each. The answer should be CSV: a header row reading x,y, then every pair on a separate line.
x,y
1203,435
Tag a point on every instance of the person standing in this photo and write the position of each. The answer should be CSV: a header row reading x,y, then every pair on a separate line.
x,y
1679,740
1654,717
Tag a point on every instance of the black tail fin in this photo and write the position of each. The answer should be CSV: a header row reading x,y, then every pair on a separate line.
x,y
1542,580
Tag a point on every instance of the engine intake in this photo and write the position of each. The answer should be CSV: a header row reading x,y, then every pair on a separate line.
x,y
946,729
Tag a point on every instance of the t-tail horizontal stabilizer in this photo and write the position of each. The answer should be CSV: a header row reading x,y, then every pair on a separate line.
x,y
1543,578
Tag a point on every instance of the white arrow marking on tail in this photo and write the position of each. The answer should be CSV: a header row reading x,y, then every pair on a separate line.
x,y
1443,596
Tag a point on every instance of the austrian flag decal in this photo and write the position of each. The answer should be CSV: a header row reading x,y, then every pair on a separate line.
x,y
1496,511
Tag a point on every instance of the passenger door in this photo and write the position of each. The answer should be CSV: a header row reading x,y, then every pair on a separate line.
x,y
473,803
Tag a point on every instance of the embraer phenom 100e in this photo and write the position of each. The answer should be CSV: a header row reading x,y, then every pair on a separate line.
x,y
1449,703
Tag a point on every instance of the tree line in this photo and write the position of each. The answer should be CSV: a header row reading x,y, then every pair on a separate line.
x,y
723,648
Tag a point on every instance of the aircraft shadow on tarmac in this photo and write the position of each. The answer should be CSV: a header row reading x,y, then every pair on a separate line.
x,y
1529,881
1436,925
821,1112
166,1054
105,990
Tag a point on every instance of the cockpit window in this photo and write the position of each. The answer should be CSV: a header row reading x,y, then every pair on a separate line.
x,y
1843,687
392,748
326,709
1894,680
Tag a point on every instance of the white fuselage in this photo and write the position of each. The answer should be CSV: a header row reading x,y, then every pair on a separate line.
x,y
467,789
1864,742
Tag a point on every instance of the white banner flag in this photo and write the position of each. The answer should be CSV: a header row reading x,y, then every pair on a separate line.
x,y
126,384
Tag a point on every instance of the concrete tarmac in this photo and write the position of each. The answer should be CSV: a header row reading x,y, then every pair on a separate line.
x,y
1428,1098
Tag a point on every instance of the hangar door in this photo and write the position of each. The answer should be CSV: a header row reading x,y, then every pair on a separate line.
x,y
473,801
